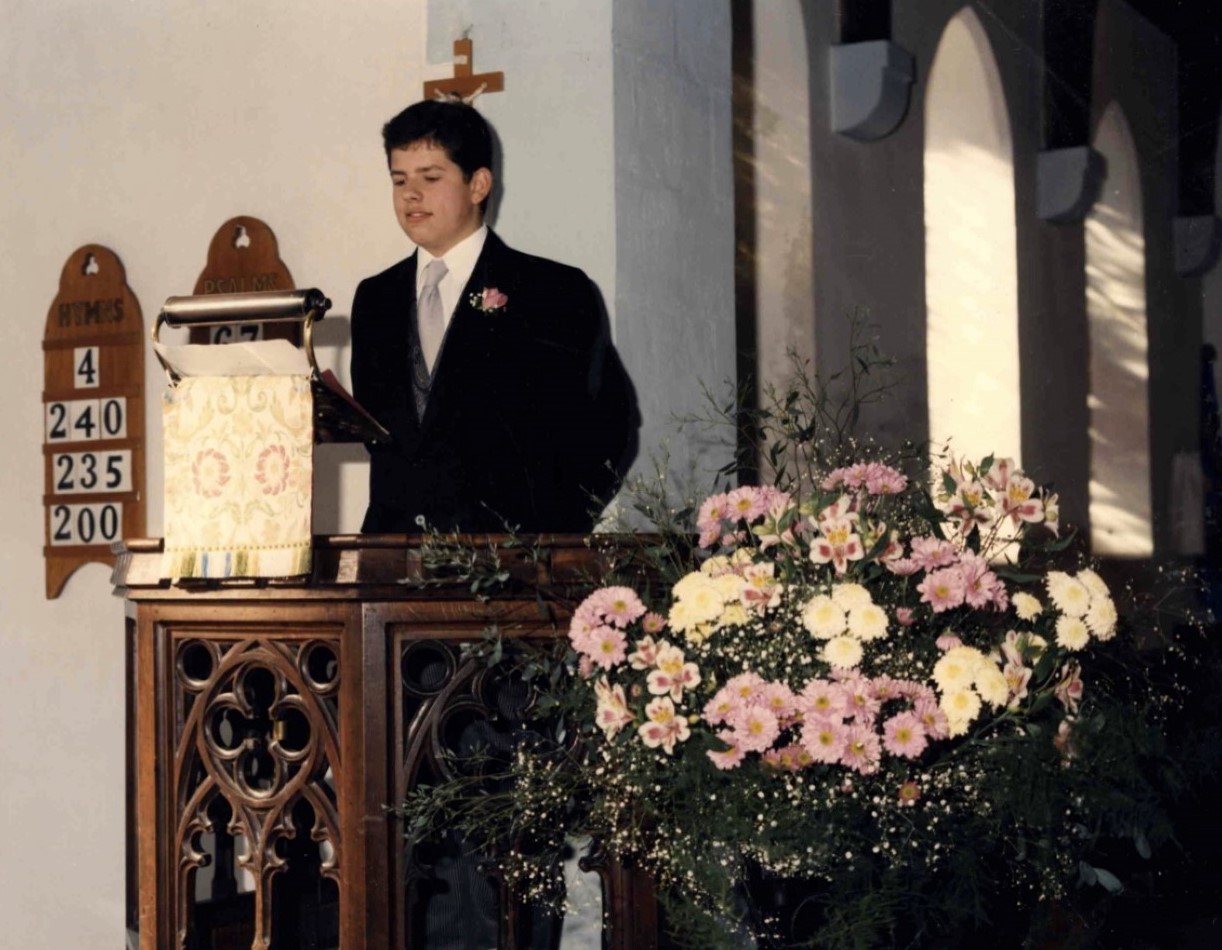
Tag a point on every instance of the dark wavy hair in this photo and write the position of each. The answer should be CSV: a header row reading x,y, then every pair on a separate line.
x,y
454,126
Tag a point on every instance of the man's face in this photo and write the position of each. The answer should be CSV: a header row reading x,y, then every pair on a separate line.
x,y
435,207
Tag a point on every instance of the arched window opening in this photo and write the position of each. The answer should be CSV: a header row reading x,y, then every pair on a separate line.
x,y
1118,400
971,280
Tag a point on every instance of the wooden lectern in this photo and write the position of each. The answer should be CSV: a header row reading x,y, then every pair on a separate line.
x,y
271,722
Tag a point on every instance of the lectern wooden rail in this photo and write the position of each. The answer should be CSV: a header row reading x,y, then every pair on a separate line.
x,y
270,723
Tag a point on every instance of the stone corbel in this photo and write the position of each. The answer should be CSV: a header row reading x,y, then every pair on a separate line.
x,y
1197,239
870,86
1068,183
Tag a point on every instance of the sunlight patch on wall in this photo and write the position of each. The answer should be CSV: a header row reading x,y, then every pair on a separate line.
x,y
971,278
1120,509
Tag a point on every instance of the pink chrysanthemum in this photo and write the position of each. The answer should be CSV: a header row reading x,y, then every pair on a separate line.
x,y
779,700
902,566
747,503
619,606
883,480
862,705
931,553
862,750
730,758
608,647
903,735
725,703
746,686
980,584
653,623
823,699
931,717
943,590
709,520
755,727
824,740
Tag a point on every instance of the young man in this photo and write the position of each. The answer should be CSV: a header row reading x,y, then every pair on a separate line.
x,y
492,369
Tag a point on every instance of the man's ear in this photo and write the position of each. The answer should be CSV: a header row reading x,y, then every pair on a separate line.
x,y
480,185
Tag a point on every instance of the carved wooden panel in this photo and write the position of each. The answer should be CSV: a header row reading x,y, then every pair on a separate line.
x,y
272,723
256,764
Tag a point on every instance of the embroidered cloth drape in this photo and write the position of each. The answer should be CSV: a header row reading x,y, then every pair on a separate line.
x,y
239,459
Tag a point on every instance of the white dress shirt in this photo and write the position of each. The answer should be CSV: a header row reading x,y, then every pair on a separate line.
x,y
460,264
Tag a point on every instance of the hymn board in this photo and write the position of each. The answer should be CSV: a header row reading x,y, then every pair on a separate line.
x,y
244,257
93,415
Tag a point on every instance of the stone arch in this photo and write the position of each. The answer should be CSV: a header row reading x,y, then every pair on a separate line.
x,y
971,278
1119,373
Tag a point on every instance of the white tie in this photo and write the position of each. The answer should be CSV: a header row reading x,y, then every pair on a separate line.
x,y
430,319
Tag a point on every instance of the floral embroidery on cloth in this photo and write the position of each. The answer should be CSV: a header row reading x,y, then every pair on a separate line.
x,y
238,476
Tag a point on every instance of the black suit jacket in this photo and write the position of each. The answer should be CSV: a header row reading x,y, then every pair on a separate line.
x,y
530,419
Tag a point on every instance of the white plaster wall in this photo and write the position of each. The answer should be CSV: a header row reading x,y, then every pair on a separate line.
x,y
556,197
785,293
674,198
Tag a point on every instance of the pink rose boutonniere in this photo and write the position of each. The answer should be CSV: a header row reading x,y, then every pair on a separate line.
x,y
489,300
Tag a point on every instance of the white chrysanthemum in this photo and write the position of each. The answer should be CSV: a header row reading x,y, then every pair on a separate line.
x,y
1072,633
730,587
701,595
822,618
842,652
956,669
867,622
1026,606
1101,617
992,686
1070,596
680,618
697,634
848,596
961,706
1093,583
735,615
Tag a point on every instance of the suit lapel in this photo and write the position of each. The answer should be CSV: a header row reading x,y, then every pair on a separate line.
x,y
469,333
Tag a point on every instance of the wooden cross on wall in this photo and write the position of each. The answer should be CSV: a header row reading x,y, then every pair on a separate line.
x,y
465,82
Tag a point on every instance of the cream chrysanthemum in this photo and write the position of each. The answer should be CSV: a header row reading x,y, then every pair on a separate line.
x,y
1072,633
867,621
730,586
1101,617
842,652
961,706
992,685
735,615
1070,596
822,618
701,596
848,596
1093,583
957,669
1026,606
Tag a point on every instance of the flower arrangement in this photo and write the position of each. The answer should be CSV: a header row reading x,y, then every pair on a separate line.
x,y
864,710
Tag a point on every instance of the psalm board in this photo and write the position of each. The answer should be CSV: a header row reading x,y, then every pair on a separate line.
x,y
244,257
93,411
